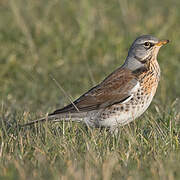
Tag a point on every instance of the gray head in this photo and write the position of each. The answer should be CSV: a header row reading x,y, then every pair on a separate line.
x,y
144,49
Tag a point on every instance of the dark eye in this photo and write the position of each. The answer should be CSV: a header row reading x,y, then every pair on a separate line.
x,y
148,45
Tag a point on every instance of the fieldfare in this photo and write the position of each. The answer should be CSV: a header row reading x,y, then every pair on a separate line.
x,y
122,96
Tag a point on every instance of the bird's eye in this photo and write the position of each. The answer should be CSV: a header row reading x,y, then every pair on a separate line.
x,y
148,45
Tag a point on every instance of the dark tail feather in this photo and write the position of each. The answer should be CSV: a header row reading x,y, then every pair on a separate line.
x,y
78,117
48,118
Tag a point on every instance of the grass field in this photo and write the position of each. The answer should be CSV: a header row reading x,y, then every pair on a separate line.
x,y
78,43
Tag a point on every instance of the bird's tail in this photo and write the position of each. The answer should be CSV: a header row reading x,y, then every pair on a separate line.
x,y
78,117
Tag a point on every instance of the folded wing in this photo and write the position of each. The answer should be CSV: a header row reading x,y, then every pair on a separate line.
x,y
118,87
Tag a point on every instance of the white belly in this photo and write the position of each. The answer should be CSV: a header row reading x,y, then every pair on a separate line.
x,y
120,118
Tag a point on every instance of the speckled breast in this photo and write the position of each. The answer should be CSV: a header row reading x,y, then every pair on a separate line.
x,y
121,114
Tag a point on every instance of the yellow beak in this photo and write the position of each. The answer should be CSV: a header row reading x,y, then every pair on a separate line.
x,y
162,42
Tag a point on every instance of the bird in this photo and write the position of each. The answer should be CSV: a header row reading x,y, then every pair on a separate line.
x,y
122,96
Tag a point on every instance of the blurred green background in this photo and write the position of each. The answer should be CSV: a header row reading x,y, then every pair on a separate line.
x,y
79,42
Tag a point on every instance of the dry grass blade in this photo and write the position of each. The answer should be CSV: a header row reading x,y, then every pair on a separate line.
x,y
64,92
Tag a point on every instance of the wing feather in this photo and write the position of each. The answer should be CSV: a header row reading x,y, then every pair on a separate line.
x,y
117,87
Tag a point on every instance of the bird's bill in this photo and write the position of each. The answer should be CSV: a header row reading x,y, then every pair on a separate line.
x,y
162,42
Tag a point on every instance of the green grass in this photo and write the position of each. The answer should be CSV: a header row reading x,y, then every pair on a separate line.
x,y
78,43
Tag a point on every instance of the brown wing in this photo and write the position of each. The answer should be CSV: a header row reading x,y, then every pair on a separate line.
x,y
116,88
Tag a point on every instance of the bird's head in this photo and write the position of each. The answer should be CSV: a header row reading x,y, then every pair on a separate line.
x,y
144,49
